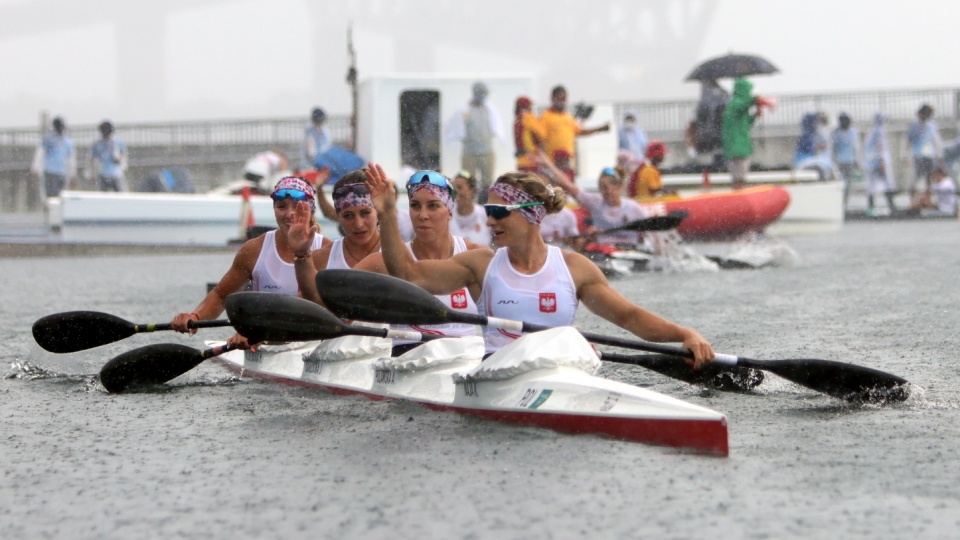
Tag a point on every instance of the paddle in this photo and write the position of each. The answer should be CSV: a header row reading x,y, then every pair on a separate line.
x,y
656,223
369,296
274,317
716,376
74,331
258,317
152,365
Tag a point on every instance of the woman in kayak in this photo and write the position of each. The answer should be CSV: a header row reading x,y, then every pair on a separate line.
x,y
608,209
358,222
524,279
431,197
469,221
266,261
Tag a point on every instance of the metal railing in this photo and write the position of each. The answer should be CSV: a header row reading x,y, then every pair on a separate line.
x,y
266,132
899,105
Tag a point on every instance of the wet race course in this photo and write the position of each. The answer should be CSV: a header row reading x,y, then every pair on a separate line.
x,y
214,456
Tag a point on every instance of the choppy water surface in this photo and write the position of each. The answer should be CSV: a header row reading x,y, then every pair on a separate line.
x,y
213,456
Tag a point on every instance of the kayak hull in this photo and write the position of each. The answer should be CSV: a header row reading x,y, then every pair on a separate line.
x,y
561,398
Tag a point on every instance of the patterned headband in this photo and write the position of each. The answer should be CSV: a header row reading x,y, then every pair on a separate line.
x,y
512,195
351,195
437,191
296,183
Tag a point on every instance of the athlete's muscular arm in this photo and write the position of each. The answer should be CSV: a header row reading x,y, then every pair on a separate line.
x,y
599,297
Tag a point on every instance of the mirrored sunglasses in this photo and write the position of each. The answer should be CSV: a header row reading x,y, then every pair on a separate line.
x,y
434,178
294,194
500,211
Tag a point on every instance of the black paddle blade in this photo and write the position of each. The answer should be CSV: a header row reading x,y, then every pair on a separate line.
x,y
715,376
74,331
368,296
656,223
262,316
148,366
849,382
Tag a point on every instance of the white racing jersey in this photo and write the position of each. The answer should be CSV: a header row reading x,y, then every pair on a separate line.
x,y
547,297
271,273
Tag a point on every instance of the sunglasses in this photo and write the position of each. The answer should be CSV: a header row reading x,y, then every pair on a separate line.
x,y
434,178
500,211
609,172
294,194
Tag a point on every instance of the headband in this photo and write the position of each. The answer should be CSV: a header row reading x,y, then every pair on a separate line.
x,y
533,214
437,191
298,184
351,195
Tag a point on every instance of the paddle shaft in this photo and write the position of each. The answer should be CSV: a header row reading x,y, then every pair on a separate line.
x,y
656,223
159,327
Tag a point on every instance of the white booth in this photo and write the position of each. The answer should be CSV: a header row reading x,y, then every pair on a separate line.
x,y
401,118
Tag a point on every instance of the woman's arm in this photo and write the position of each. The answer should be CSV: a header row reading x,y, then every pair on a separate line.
x,y
438,277
556,176
602,299
232,281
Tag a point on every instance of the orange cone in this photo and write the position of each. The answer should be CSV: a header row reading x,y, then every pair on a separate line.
x,y
246,212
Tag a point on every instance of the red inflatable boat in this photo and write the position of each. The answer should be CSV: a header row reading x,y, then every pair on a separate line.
x,y
724,215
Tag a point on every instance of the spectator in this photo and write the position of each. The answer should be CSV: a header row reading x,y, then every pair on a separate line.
x,y
108,161
942,196
528,135
562,128
55,161
631,138
737,122
316,139
812,148
476,126
704,135
926,148
879,167
845,147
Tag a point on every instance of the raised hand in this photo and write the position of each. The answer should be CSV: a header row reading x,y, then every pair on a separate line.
x,y
302,229
381,188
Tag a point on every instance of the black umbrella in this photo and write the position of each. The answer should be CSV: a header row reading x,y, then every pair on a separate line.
x,y
730,66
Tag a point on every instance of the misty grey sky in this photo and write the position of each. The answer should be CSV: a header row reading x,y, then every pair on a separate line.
x,y
140,60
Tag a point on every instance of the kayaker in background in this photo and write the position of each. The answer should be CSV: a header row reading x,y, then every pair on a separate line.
x,y
608,209
469,220
266,261
525,279
646,182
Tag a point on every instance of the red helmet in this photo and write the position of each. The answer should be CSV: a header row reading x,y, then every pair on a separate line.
x,y
656,149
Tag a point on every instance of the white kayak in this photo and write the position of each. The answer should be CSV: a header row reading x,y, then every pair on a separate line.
x,y
544,379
